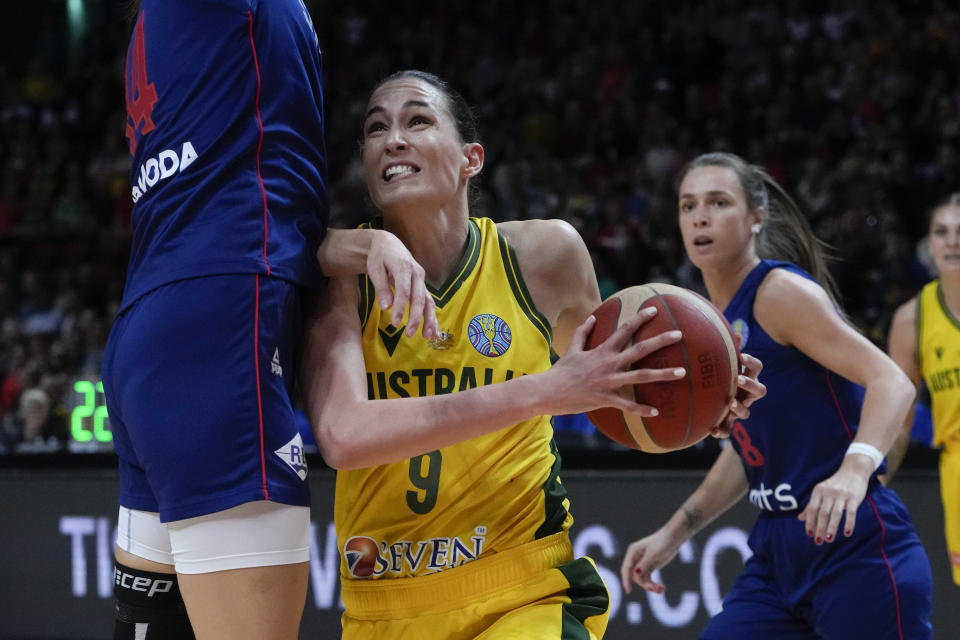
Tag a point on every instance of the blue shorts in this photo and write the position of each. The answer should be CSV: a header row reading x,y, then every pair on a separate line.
x,y
198,376
876,584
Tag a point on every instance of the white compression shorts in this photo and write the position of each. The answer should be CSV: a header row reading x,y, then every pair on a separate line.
x,y
254,534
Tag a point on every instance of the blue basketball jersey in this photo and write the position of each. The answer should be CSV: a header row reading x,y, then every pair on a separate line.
x,y
228,163
797,435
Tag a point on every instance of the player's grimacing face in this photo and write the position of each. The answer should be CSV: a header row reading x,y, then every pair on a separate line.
x,y
945,238
412,152
714,221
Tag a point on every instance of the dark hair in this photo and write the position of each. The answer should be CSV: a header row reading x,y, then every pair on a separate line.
x,y
953,200
785,233
463,117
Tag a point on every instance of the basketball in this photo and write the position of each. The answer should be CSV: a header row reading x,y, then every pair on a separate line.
x,y
690,406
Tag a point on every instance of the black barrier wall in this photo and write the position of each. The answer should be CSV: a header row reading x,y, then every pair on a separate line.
x,y
57,529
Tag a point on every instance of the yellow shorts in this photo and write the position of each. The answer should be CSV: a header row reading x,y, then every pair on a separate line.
x,y
950,494
535,591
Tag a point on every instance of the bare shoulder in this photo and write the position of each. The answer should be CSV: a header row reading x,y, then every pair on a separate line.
x,y
556,266
787,302
905,317
903,327
533,236
549,252
784,286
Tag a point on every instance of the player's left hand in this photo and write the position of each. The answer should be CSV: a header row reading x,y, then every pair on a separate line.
x,y
837,498
749,390
398,280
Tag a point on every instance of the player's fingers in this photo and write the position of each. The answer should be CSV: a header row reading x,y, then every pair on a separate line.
x,y
401,296
381,284
431,328
631,560
723,429
749,389
645,376
644,577
625,332
418,293
836,514
580,334
626,571
850,520
738,410
643,348
751,366
827,507
809,513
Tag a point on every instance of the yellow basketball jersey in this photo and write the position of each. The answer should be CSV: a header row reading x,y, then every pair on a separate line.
x,y
938,353
442,509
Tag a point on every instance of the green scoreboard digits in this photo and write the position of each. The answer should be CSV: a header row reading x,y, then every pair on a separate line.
x,y
89,423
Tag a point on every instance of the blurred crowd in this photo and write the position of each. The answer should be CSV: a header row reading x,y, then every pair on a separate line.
x,y
587,111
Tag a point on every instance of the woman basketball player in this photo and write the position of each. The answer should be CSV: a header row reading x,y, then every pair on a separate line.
x,y
452,523
925,341
810,452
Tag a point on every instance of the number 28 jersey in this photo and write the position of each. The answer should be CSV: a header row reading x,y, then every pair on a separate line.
x,y
447,507
226,139
798,433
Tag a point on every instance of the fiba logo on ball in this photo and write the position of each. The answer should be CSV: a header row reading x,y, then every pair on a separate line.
x,y
489,335
740,328
360,552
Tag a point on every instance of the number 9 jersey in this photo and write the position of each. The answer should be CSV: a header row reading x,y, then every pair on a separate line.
x,y
449,507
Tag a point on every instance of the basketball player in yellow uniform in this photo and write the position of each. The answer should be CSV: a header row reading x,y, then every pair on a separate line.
x,y
925,341
449,524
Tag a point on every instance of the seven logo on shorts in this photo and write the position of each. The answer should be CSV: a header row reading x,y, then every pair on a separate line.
x,y
292,453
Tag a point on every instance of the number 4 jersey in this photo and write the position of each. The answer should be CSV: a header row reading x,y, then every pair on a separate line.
x,y
448,507
228,163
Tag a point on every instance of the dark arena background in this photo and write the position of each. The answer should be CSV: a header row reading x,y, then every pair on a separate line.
x,y
586,109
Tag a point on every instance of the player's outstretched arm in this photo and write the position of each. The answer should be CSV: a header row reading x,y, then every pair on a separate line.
x,y
353,431
723,485
397,278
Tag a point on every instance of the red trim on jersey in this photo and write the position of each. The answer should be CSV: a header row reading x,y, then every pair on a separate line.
x,y
836,403
263,190
256,369
893,579
876,513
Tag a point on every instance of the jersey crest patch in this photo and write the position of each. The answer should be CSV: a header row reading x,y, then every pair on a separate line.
x,y
489,334
740,328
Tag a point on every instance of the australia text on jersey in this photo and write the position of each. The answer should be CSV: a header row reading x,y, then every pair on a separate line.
x,y
422,382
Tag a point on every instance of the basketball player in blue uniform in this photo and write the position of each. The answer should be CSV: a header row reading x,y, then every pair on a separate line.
x,y
835,555
228,179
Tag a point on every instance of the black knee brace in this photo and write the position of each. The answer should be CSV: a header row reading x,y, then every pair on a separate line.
x,y
149,606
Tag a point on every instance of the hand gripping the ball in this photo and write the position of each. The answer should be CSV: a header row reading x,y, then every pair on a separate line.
x,y
749,390
590,379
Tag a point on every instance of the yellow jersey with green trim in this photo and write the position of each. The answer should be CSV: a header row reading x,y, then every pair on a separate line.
x,y
467,501
938,354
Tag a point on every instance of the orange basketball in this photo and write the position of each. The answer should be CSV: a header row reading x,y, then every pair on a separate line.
x,y
690,406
